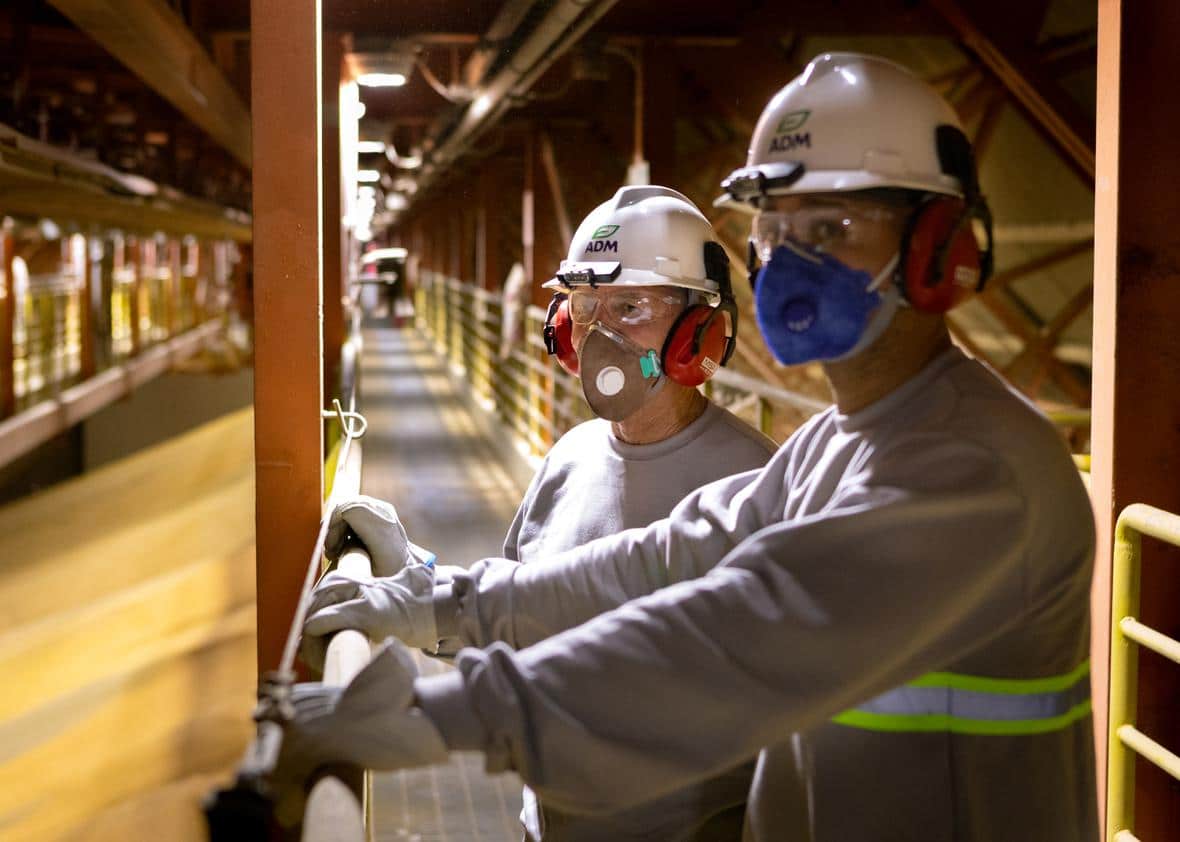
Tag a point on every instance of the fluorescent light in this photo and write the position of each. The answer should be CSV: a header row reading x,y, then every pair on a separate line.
x,y
381,80
366,147
394,253
370,176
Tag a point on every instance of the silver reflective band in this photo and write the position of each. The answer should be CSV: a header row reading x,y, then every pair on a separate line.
x,y
973,705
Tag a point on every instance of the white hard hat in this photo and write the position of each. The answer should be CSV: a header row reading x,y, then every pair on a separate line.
x,y
642,236
852,122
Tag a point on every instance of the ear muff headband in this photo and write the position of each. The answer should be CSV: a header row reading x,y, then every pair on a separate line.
x,y
700,342
941,261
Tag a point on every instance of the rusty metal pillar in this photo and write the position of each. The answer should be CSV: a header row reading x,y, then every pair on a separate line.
x,y
660,87
285,40
175,286
7,320
333,213
1136,428
137,247
528,219
88,327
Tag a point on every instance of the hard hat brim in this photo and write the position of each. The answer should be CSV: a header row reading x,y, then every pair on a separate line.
x,y
642,278
845,181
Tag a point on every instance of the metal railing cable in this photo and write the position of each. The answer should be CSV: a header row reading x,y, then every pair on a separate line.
x,y
243,812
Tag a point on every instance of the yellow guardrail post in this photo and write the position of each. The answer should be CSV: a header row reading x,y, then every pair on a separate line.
x,y
1124,740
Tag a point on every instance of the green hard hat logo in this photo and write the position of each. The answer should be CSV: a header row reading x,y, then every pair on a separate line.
x,y
793,120
604,231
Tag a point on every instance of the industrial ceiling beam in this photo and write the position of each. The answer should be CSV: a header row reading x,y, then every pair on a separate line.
x,y
1019,76
561,27
153,41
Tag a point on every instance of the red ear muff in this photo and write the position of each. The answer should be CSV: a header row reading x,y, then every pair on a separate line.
x,y
940,260
696,345
558,334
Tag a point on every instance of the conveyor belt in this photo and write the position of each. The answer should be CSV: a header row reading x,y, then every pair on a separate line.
x,y
455,492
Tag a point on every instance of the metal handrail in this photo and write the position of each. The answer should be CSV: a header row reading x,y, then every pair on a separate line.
x,y
336,803
525,387
1124,740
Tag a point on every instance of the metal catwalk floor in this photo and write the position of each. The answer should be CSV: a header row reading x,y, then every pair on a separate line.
x,y
456,493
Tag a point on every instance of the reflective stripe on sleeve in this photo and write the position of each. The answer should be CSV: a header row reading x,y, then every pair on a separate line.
x,y
965,704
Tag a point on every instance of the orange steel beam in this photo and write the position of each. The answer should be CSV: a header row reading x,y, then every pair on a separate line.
x,y
154,42
1136,443
334,232
7,319
1015,76
553,176
1037,264
288,358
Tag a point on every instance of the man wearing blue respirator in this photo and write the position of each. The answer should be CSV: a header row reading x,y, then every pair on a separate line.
x,y
906,582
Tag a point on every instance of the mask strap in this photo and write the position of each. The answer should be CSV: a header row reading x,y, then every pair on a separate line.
x,y
885,274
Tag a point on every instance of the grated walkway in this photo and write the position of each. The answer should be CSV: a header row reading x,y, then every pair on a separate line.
x,y
456,492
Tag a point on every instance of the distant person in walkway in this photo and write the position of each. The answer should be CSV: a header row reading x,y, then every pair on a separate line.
x,y
643,312
906,582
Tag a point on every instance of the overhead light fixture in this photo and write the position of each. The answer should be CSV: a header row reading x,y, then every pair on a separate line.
x,y
370,147
381,63
396,202
368,176
392,253
381,80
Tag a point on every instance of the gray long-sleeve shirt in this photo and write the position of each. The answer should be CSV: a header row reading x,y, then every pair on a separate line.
x,y
592,484
907,584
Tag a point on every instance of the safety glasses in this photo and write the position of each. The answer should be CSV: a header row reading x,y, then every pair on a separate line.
x,y
622,306
825,226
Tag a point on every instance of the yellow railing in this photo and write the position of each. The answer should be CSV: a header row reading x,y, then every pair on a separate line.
x,y
538,403
525,389
1124,739
524,386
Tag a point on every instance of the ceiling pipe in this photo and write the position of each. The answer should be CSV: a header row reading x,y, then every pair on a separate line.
x,y
564,24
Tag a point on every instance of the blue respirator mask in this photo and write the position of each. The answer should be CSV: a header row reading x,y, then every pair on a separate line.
x,y
810,306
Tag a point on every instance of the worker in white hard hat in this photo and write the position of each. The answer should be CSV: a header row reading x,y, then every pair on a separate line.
x,y
643,313
906,582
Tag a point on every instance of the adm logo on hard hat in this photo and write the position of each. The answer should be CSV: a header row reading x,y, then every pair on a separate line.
x,y
598,241
787,135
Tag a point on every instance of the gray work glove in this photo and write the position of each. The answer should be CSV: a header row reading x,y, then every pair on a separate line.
x,y
400,606
375,523
372,723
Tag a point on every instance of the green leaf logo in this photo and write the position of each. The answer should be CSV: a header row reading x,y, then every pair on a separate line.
x,y
604,231
793,121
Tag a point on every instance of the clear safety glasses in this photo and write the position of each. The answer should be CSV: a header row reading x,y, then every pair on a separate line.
x,y
622,306
826,226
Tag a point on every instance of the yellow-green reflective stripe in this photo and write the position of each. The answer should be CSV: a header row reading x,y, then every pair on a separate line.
x,y
895,722
1007,686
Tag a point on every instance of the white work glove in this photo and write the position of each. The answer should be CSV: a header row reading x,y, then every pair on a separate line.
x,y
444,574
400,606
372,723
375,523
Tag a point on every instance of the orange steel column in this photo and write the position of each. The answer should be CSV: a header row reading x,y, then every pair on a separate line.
x,y
288,357
1136,428
86,314
333,62
136,248
7,320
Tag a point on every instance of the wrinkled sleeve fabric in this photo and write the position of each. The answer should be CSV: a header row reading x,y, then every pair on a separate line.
x,y
522,604
801,620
